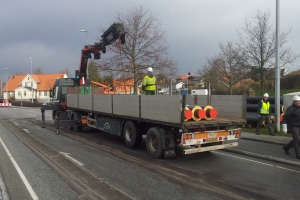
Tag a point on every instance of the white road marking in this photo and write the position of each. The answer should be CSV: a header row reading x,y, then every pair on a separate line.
x,y
71,159
259,162
288,169
27,131
16,124
244,159
25,181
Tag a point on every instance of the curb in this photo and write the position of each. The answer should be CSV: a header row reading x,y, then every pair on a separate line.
x,y
264,140
280,160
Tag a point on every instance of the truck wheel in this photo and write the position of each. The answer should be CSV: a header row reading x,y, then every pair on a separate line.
x,y
132,135
154,143
69,117
76,128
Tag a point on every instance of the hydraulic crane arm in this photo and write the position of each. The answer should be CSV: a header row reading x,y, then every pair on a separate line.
x,y
113,33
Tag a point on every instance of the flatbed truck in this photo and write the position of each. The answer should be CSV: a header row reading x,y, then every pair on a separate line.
x,y
161,118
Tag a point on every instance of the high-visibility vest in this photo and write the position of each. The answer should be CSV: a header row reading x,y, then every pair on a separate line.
x,y
265,107
149,83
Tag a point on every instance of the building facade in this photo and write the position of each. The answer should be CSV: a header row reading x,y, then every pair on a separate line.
x,y
30,87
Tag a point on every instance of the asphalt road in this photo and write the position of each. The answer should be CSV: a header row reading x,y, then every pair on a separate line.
x,y
132,173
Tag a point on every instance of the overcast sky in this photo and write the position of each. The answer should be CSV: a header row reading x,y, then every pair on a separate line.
x,y
49,31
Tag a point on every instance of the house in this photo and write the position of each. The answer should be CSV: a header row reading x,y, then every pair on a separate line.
x,y
29,87
123,87
191,81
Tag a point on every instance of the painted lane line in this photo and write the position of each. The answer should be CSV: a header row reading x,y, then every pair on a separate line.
x,y
288,169
26,130
71,159
16,124
283,168
25,181
245,159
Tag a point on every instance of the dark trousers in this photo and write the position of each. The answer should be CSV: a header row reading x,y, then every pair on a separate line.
x,y
266,119
295,142
149,92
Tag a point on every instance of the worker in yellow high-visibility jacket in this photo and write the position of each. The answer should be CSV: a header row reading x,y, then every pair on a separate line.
x,y
149,82
263,112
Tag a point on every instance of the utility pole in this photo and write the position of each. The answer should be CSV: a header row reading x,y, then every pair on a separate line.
x,y
6,85
31,82
277,72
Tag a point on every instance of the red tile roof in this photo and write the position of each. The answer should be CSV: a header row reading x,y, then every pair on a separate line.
x,y
184,76
45,81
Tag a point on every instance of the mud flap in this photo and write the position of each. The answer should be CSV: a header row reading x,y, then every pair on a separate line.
x,y
168,143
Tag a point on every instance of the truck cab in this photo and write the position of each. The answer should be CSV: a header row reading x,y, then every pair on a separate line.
x,y
60,88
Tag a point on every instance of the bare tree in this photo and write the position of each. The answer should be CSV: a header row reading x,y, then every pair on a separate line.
x,y
225,69
65,71
38,71
145,46
258,44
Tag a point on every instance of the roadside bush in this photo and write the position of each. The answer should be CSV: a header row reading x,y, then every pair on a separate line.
x,y
290,81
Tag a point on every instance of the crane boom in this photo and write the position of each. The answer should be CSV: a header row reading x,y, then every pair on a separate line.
x,y
113,33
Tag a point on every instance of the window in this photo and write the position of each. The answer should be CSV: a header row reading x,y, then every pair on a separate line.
x,y
40,93
19,93
24,93
45,93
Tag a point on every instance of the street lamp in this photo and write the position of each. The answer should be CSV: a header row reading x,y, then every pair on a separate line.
x,y
85,36
86,42
31,81
6,85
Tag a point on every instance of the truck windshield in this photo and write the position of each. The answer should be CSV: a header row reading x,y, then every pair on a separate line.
x,y
55,92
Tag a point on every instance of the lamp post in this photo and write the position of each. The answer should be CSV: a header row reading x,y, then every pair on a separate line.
x,y
86,42
85,36
6,85
31,81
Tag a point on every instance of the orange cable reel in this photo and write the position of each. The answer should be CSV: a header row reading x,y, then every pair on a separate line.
x,y
197,112
187,114
210,112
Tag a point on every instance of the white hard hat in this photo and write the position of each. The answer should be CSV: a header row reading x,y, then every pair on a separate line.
x,y
296,98
149,69
266,95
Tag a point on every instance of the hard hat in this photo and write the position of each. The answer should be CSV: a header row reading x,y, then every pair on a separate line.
x,y
149,69
266,95
296,98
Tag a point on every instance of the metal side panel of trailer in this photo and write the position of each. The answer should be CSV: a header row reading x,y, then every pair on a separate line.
x,y
102,103
73,100
157,108
127,105
161,108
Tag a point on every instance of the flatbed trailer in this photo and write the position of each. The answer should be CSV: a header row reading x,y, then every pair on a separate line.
x,y
160,118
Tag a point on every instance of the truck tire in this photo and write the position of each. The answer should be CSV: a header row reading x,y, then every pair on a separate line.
x,y
76,128
154,143
132,134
